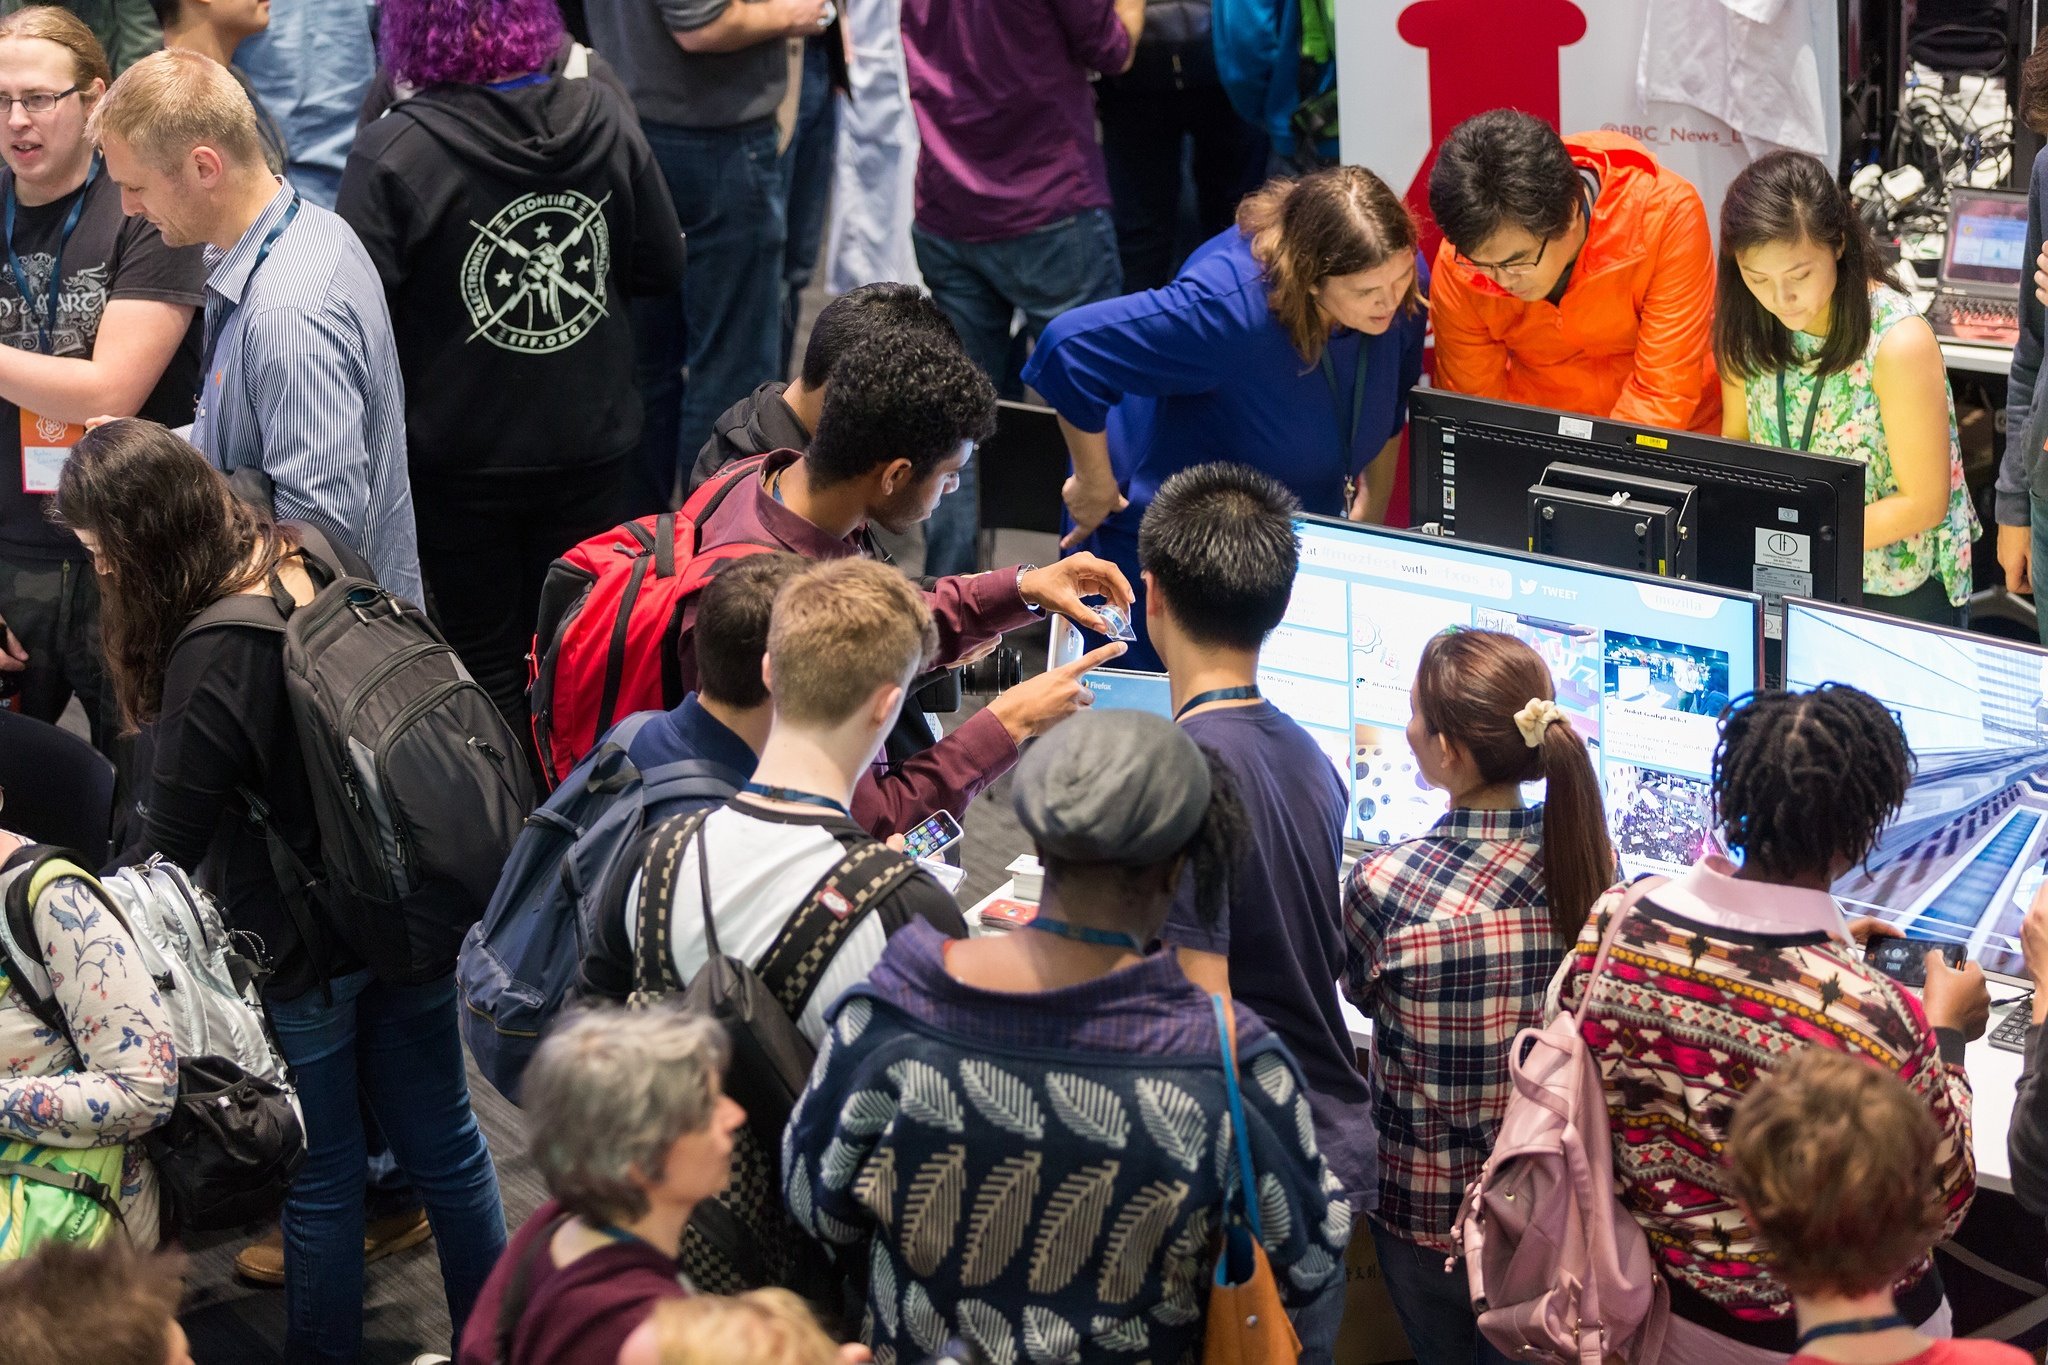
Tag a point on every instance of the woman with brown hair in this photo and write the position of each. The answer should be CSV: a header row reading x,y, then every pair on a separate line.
x,y
1454,938
167,538
1288,342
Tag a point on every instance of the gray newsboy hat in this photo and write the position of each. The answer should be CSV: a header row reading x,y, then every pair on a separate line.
x,y
1122,787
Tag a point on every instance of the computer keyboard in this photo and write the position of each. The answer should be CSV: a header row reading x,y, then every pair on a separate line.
x,y
2011,1033
1971,318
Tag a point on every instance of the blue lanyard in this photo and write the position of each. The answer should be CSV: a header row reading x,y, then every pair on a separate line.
x,y
795,798
217,323
1245,693
46,324
1357,397
1081,933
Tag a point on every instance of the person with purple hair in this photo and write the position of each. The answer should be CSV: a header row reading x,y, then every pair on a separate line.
x,y
512,208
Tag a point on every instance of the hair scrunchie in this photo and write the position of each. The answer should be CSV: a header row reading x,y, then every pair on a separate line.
x,y
1532,720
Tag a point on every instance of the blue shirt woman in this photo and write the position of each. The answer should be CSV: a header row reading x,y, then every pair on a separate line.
x,y
1288,342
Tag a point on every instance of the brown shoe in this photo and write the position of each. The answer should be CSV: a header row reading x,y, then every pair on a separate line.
x,y
263,1259
382,1236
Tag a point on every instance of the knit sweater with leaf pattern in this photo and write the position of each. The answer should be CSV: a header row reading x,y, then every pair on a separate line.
x,y
1042,1175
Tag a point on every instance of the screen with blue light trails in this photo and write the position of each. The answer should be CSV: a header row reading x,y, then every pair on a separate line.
x,y
1963,858
1641,666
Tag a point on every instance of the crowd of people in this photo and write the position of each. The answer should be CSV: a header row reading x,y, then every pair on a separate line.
x,y
299,373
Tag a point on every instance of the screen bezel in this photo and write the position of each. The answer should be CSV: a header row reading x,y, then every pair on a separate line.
x,y
1952,632
1358,847
1573,565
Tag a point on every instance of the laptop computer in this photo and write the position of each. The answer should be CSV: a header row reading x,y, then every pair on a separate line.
x,y
1983,268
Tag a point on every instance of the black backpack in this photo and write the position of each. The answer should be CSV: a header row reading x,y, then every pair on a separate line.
x,y
418,785
743,1239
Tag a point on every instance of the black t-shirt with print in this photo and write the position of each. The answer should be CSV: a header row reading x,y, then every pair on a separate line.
x,y
108,257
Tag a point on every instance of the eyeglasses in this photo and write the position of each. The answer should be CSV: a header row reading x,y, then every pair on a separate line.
x,y
35,101
1500,272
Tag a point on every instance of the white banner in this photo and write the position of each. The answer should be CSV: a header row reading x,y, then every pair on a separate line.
x,y
1408,71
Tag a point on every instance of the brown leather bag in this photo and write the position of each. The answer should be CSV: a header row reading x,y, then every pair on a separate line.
x,y
1247,1324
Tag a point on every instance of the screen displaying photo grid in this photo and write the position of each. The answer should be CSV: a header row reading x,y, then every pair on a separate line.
x,y
1642,668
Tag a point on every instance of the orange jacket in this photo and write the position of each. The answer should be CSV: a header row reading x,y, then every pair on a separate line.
x,y
1633,338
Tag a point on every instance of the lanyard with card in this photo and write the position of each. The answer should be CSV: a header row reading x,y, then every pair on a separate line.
x,y
46,442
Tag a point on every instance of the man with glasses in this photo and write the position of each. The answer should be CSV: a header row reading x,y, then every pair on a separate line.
x,y
1575,273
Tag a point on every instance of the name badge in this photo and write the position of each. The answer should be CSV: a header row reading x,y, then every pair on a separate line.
x,y
45,445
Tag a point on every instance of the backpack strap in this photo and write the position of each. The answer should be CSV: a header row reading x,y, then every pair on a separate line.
x,y
238,609
77,1182
689,779
37,867
797,958
712,493
660,857
296,884
518,1286
1637,891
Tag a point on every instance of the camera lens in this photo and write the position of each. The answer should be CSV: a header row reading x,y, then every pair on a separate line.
x,y
1000,671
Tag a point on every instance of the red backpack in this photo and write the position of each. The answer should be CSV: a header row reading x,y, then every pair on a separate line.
x,y
610,612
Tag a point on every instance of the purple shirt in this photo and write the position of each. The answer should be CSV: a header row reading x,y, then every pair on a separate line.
x,y
1005,112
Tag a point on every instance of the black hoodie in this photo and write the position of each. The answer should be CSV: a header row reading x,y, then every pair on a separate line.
x,y
511,226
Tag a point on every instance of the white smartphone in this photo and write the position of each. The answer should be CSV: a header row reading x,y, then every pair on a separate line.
x,y
935,835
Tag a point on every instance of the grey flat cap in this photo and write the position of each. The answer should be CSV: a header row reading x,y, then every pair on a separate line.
x,y
1123,787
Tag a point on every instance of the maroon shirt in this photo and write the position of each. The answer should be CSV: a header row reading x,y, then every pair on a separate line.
x,y
578,1314
1005,111
970,611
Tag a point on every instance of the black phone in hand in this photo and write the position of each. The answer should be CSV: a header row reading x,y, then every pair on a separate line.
x,y
1904,960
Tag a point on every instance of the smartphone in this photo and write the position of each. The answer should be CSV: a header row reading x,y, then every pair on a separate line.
x,y
939,832
1904,960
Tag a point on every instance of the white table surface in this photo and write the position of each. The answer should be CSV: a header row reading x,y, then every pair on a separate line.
x,y
1994,1072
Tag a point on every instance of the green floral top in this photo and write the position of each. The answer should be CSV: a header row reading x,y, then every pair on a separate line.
x,y
1848,425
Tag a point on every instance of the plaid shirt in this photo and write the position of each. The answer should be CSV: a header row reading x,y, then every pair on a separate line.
x,y
1451,953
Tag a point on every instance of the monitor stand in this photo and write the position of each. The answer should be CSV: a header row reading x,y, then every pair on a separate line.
x,y
1622,521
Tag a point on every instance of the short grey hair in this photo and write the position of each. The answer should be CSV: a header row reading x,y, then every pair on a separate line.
x,y
608,1094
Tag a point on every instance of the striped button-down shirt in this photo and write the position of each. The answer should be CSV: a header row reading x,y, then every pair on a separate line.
x,y
303,382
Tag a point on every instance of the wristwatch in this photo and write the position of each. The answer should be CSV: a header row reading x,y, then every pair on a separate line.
x,y
1029,605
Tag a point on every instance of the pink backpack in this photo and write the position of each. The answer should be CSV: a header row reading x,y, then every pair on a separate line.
x,y
1560,1270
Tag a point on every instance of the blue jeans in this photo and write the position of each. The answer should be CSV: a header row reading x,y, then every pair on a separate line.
x,y
807,177
398,1047
1318,1321
724,329
981,287
1435,1308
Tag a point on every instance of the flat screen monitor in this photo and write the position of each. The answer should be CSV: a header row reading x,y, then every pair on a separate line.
x,y
1642,665
1987,239
1963,858
1776,522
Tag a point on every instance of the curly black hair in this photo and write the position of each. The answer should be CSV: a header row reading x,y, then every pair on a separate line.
x,y
1804,779
899,395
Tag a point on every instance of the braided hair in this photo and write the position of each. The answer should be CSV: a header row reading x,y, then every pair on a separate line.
x,y
1803,780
